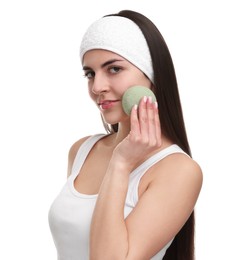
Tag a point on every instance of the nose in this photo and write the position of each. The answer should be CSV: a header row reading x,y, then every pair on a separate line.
x,y
99,84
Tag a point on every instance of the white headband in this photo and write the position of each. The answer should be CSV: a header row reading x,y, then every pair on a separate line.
x,y
122,36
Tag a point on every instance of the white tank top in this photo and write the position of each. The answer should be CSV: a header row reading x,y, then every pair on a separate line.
x,y
71,212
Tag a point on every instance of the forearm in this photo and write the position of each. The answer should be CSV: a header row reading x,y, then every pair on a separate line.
x,y
109,237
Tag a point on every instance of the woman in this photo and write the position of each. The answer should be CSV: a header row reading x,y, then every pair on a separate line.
x,y
130,193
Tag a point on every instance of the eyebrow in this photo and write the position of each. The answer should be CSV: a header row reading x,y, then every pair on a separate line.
x,y
104,64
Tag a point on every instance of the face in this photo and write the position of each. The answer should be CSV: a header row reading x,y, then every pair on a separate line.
x,y
109,75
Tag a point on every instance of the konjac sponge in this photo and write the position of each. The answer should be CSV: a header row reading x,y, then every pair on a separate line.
x,y
133,95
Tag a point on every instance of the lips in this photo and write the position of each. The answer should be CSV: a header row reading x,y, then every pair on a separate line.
x,y
106,104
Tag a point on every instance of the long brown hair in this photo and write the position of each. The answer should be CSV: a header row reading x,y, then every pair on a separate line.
x,y
171,117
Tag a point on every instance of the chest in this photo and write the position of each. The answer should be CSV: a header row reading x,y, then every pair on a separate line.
x,y
93,170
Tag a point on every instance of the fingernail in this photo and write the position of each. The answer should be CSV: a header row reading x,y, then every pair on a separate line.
x,y
144,99
150,99
156,105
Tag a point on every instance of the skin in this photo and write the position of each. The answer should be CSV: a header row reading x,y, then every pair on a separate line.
x,y
169,189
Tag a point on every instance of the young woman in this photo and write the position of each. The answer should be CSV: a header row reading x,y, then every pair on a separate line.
x,y
130,193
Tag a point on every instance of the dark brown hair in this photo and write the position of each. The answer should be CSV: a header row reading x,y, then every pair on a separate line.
x,y
171,117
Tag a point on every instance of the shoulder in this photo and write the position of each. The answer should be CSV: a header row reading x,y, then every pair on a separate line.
x,y
73,151
183,166
179,171
75,147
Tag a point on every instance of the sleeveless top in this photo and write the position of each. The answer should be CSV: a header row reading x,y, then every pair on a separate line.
x,y
71,212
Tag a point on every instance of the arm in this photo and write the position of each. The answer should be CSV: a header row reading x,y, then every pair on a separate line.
x,y
168,197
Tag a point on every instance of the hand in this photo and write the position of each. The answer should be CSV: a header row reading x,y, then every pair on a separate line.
x,y
145,135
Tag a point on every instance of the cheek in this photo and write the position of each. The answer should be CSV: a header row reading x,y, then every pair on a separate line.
x,y
91,94
144,80
137,77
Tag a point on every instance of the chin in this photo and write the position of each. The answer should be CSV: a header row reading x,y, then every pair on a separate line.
x,y
112,120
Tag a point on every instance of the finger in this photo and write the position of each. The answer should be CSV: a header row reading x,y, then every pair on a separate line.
x,y
157,124
134,121
143,119
151,121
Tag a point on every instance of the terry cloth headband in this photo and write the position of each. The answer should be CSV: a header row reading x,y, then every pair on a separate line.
x,y
122,36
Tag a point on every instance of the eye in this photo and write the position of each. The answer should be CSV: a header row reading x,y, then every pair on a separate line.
x,y
89,74
114,70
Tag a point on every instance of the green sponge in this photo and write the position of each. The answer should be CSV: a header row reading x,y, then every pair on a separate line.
x,y
133,95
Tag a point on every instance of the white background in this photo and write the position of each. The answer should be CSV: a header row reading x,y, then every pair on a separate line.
x,y
44,108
